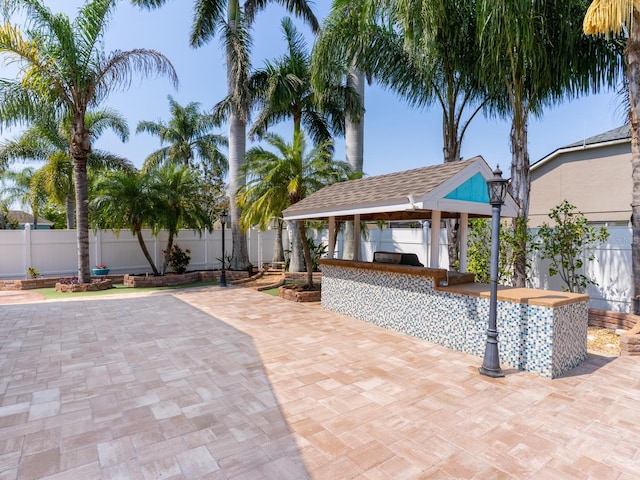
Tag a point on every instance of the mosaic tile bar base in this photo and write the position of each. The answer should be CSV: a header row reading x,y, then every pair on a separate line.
x,y
547,341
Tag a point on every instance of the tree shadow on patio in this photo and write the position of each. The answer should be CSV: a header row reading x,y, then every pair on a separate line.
x,y
148,386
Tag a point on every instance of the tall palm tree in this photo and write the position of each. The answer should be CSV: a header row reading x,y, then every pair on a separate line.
x,y
343,31
422,49
535,54
209,20
189,138
276,180
283,90
62,66
48,139
618,18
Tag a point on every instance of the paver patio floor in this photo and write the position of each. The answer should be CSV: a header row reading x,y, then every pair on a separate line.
x,y
234,384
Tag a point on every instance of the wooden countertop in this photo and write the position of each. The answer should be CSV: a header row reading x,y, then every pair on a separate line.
x,y
530,296
438,274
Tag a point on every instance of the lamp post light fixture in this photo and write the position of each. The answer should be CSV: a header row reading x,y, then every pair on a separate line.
x,y
497,188
224,217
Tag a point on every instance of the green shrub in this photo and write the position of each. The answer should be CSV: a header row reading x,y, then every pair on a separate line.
x,y
178,259
568,244
479,249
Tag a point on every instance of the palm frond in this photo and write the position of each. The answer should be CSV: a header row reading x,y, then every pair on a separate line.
x,y
207,17
116,71
300,8
238,45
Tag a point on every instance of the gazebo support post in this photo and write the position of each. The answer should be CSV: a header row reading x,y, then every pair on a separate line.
x,y
434,260
463,234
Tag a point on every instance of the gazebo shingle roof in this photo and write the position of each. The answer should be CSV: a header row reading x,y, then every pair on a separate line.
x,y
379,189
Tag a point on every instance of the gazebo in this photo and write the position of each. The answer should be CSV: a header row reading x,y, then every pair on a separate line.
x,y
456,190
540,331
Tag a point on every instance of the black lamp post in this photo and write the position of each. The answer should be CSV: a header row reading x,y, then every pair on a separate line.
x,y
224,217
497,187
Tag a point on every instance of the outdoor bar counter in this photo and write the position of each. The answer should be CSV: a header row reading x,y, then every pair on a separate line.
x,y
539,331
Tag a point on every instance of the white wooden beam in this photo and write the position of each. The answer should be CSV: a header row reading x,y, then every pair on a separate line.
x,y
434,257
356,238
332,237
463,235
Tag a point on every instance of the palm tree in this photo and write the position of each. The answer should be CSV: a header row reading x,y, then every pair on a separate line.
x,y
48,139
126,199
209,19
622,17
421,50
180,202
534,54
334,60
278,180
188,137
20,186
283,90
166,198
63,67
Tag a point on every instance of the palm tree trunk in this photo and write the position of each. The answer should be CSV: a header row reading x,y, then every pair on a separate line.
x,y
80,151
237,150
451,154
70,209
520,188
82,214
237,147
307,253
354,149
297,250
633,72
278,250
348,235
354,127
143,246
166,253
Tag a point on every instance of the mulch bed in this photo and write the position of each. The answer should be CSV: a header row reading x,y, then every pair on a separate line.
x,y
603,341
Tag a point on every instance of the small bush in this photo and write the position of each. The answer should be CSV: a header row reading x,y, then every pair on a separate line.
x,y
177,258
569,245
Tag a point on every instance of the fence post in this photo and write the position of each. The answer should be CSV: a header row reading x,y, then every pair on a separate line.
x,y
27,247
97,238
206,249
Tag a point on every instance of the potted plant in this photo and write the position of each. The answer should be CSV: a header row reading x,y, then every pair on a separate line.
x,y
100,270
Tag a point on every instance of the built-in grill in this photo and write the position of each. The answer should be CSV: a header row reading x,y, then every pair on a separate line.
x,y
397,258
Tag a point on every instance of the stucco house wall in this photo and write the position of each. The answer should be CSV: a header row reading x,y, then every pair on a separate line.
x,y
595,177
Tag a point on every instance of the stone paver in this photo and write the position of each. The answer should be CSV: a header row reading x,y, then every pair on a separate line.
x,y
234,384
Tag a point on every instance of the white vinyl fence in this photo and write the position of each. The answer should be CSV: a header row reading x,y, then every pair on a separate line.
x,y
611,269
54,253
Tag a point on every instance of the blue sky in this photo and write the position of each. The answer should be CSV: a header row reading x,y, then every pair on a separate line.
x,y
396,136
